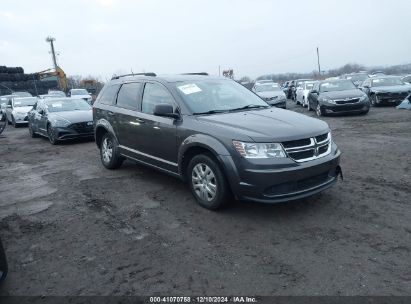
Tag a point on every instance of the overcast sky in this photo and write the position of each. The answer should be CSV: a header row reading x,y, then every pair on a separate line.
x,y
102,37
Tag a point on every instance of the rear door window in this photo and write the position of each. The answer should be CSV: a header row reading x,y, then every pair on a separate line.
x,y
108,96
129,96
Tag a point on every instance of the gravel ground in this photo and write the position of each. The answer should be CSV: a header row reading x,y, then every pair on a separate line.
x,y
71,227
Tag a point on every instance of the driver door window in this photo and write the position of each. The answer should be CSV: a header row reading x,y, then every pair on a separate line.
x,y
155,94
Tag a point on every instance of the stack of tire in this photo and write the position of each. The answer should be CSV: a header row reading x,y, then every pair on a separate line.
x,y
15,79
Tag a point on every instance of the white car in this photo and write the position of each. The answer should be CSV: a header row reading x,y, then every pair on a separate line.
x,y
18,108
80,93
302,92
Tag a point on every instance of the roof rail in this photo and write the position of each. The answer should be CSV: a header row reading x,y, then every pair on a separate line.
x,y
199,73
134,74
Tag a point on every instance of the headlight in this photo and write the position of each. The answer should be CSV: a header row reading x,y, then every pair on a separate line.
x,y
326,99
60,122
365,97
259,150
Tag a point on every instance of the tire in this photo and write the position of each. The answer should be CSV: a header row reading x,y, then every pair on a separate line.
x,y
31,132
109,153
308,106
318,110
51,135
207,182
13,122
365,112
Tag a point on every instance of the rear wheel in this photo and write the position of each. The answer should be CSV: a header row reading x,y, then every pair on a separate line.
x,y
109,154
207,182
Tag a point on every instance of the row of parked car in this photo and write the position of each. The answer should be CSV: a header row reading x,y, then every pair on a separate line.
x,y
350,93
17,105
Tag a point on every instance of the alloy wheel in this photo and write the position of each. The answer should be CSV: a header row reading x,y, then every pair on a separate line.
x,y
51,135
107,150
204,182
318,110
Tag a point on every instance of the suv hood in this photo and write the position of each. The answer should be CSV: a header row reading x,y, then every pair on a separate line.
x,y
269,125
392,89
73,116
343,94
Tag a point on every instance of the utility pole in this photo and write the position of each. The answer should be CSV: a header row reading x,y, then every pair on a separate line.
x,y
318,60
53,53
219,71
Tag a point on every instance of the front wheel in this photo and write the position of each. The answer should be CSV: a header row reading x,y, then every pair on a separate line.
x,y
207,182
109,154
31,132
51,135
318,110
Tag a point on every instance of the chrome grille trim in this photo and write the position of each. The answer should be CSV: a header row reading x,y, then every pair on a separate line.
x,y
313,146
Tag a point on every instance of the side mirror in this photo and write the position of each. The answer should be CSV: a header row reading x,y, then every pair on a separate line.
x,y
165,110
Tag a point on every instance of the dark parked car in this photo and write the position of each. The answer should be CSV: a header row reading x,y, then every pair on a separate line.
x,y
290,90
386,90
3,263
215,134
61,119
337,97
271,93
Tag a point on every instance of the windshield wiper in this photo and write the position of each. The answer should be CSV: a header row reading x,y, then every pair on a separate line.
x,y
250,106
210,112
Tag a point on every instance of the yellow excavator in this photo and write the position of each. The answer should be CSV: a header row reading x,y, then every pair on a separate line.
x,y
57,72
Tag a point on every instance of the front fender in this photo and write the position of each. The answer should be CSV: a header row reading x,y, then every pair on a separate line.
x,y
202,141
103,123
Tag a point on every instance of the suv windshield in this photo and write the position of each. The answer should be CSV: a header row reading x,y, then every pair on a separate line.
x,y
60,105
267,87
337,86
380,82
24,102
79,92
207,96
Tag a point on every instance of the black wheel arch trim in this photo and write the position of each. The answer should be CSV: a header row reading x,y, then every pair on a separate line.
x,y
105,124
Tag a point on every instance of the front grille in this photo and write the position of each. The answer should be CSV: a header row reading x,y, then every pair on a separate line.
x,y
308,148
82,127
297,143
393,95
346,101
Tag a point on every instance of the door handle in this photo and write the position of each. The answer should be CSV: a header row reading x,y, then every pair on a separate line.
x,y
110,113
140,120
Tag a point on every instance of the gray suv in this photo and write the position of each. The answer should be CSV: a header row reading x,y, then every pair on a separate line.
x,y
216,135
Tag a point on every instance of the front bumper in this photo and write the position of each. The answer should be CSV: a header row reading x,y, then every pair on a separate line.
x,y
66,133
260,181
357,107
21,119
391,98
